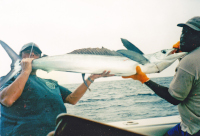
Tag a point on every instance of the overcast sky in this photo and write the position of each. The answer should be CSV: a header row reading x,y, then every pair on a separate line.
x,y
60,26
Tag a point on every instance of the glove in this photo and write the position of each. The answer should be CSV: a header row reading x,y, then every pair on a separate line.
x,y
140,76
177,46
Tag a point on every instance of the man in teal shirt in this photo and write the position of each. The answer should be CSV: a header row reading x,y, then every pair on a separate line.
x,y
29,104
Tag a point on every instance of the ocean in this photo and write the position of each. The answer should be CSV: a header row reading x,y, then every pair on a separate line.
x,y
121,100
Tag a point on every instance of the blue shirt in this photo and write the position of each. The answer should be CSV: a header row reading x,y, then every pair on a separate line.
x,y
35,111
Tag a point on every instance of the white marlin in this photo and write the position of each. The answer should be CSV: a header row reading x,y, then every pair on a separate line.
x,y
95,60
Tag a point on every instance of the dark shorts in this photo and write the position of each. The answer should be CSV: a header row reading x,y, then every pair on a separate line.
x,y
176,131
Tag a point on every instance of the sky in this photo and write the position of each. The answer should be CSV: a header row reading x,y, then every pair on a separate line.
x,y
61,26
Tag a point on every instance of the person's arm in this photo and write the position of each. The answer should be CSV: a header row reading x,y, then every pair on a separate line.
x,y
158,89
162,91
76,95
12,92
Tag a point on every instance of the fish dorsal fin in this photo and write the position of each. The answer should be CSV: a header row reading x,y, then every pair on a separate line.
x,y
15,67
96,51
134,56
130,46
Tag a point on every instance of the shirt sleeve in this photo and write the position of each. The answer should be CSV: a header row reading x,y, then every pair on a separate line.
x,y
64,92
181,84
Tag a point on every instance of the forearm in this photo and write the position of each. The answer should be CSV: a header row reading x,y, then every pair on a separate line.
x,y
76,95
11,93
162,92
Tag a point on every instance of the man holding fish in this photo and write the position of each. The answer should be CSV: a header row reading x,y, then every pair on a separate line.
x,y
184,89
31,104
27,98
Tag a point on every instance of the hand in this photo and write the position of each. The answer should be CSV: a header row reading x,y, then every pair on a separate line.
x,y
140,76
177,47
26,64
104,74
51,133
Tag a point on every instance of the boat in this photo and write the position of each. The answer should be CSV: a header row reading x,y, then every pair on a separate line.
x,y
78,126
151,126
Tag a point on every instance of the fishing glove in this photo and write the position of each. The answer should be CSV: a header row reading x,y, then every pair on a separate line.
x,y
140,76
177,46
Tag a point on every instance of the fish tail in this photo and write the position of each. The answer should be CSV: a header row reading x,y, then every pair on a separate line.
x,y
15,66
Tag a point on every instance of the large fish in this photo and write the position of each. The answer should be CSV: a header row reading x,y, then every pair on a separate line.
x,y
96,60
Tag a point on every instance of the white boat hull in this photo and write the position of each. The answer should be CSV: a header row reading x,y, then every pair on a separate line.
x,y
151,126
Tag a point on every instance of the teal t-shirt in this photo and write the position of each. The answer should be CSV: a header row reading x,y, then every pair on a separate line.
x,y
35,112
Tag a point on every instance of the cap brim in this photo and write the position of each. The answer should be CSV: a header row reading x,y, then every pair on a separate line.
x,y
189,25
181,25
35,47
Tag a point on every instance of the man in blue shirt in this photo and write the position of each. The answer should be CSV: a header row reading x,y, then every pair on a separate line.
x,y
29,104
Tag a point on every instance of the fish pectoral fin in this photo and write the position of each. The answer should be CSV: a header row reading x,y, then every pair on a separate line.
x,y
83,76
130,46
134,56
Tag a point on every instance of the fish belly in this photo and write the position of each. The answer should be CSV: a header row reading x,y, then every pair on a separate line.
x,y
93,64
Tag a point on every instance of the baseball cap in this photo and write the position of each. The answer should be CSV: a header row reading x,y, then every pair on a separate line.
x,y
193,23
30,45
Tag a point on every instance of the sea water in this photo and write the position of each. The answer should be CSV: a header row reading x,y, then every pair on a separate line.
x,y
121,100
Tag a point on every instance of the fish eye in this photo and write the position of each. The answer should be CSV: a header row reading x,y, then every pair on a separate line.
x,y
163,51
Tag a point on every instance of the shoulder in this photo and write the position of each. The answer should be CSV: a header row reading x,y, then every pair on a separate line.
x,y
191,61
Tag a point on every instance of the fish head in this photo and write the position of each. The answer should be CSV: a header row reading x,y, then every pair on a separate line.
x,y
164,58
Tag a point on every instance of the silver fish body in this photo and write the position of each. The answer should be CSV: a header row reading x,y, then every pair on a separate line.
x,y
120,63
96,64
83,63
